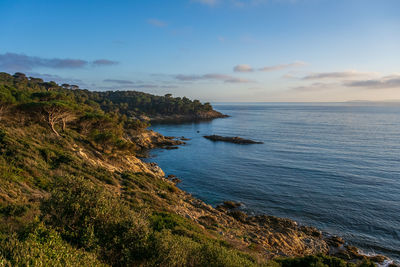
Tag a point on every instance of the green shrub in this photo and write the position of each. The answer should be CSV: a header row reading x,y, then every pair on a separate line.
x,y
214,254
10,172
90,217
164,220
173,250
43,247
177,224
104,175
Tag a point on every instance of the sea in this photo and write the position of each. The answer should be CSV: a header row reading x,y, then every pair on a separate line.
x,y
334,166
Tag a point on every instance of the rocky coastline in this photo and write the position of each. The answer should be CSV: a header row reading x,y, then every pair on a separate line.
x,y
271,236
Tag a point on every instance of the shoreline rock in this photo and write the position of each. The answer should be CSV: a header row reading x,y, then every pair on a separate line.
x,y
149,139
235,140
228,205
174,179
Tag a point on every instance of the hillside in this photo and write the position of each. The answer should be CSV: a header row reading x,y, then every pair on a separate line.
x,y
73,191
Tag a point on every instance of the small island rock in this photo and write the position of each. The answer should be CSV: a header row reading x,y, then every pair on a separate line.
x,y
235,140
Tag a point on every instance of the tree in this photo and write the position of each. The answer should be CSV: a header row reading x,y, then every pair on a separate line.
x,y
52,112
49,85
67,117
20,76
65,85
207,106
57,112
35,80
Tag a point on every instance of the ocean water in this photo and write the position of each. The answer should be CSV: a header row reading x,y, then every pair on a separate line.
x,y
332,166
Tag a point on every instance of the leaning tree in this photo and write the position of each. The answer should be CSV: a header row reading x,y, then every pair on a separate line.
x,y
52,112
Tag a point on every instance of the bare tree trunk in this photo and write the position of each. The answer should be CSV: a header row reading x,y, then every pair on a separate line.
x,y
51,121
63,125
53,128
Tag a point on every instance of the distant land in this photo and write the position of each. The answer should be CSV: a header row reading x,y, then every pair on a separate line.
x,y
370,101
394,102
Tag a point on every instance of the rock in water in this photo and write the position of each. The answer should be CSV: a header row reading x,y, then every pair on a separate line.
x,y
235,140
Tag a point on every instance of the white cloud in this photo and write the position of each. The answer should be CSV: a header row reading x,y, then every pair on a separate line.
x,y
238,80
243,3
104,62
349,74
212,76
157,23
118,81
19,62
248,68
283,66
206,2
392,81
316,87
243,68
221,39
56,78
346,79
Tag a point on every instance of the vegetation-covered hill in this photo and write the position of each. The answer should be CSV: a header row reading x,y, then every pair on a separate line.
x,y
130,103
73,193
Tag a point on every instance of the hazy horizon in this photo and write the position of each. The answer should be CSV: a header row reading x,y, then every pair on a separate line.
x,y
212,50
350,102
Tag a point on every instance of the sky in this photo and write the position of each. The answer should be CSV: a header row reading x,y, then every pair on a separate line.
x,y
211,50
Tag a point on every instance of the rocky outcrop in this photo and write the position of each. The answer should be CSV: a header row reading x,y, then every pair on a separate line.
x,y
118,164
200,116
149,139
226,205
270,235
174,179
235,140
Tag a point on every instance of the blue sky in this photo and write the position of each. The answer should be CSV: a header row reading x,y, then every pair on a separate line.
x,y
212,50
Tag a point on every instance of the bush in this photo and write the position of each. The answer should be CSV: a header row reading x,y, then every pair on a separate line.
x,y
90,217
214,254
173,250
43,247
177,224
